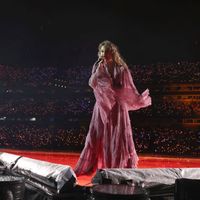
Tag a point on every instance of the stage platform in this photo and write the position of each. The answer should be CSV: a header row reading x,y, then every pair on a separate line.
x,y
145,161
50,176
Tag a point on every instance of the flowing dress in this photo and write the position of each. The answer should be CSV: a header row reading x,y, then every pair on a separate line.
x,y
109,142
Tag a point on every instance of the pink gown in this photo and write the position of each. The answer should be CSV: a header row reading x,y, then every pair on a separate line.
x,y
109,142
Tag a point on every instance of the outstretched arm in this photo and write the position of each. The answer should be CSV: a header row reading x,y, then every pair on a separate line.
x,y
132,97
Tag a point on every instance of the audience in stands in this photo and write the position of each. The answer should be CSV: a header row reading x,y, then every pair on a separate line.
x,y
60,102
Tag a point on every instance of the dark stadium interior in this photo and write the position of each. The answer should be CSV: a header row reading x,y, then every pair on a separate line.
x,y
48,48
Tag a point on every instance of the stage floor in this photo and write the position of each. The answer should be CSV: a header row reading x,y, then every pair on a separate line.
x,y
145,161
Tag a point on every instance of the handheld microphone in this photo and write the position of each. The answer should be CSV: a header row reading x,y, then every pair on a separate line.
x,y
96,64
98,61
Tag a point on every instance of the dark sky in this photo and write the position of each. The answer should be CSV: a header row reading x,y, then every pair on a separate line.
x,y
49,32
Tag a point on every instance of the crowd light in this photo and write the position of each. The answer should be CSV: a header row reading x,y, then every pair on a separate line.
x,y
33,119
2,118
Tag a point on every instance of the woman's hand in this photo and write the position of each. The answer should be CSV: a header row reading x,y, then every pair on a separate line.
x,y
100,70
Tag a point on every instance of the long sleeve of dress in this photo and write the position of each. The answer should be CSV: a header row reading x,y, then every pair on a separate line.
x,y
102,87
129,95
93,78
107,95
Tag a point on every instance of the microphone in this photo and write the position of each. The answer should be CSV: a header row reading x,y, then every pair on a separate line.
x,y
96,64
98,61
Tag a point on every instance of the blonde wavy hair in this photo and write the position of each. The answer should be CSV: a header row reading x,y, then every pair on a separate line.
x,y
113,49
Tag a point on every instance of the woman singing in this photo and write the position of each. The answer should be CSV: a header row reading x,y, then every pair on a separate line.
x,y
109,142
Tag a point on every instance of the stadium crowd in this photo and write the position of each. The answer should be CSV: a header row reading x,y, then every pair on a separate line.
x,y
33,76
147,140
82,106
63,92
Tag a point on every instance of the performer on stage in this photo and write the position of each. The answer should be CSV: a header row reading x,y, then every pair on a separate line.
x,y
109,142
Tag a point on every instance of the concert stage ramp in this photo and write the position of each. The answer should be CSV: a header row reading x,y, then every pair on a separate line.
x,y
46,180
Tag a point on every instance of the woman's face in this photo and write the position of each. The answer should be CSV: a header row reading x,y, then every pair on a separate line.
x,y
105,54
